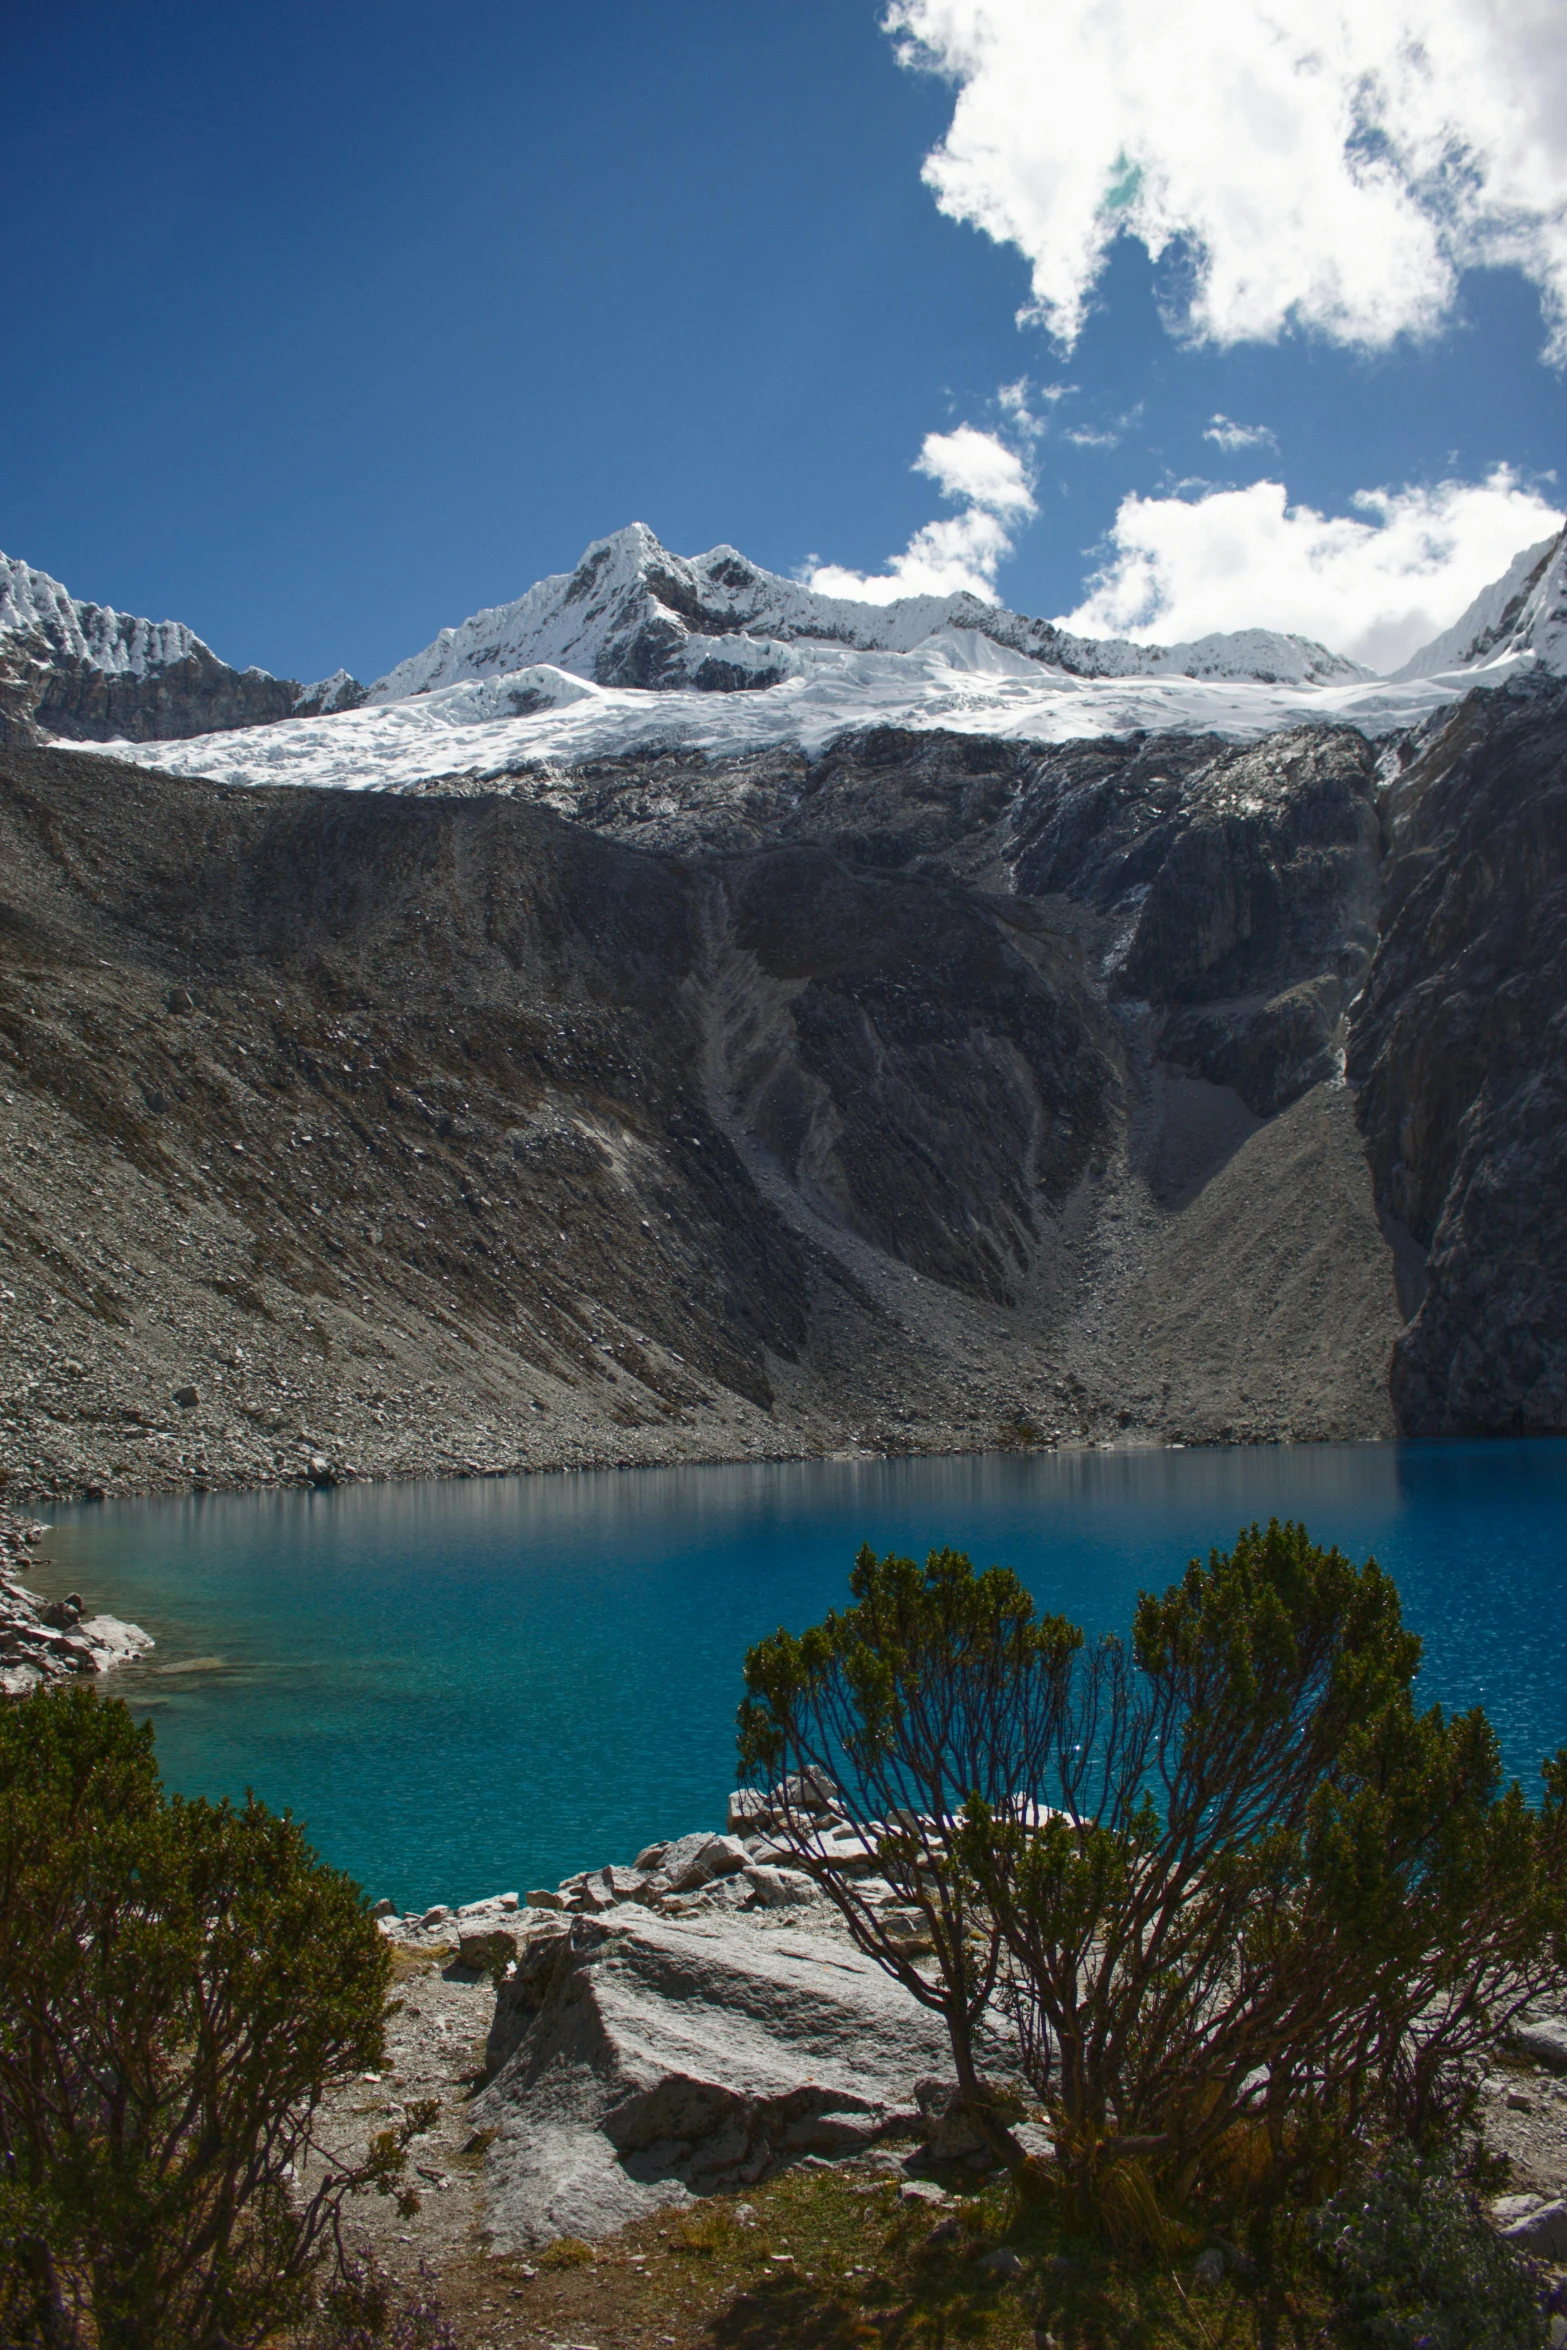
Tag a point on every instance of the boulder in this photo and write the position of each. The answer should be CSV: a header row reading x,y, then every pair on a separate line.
x,y
693,1861
642,2060
490,1949
1543,2234
1543,2039
780,1888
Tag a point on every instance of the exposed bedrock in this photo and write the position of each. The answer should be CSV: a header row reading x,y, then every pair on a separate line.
x,y
939,1093
45,691
1459,1057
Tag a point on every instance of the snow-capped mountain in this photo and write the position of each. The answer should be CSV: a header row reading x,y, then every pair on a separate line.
x,y
637,651
1522,615
83,671
633,614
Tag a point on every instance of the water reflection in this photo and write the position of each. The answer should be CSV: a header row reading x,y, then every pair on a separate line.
x,y
462,1684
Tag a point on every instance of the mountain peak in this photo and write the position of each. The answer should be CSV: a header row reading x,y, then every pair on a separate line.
x,y
1521,615
634,614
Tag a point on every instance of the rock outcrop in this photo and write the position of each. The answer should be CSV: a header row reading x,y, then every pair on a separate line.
x,y
43,1641
665,2058
1459,1058
86,673
934,1093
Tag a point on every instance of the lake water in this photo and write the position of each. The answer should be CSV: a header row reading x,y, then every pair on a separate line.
x,y
467,1687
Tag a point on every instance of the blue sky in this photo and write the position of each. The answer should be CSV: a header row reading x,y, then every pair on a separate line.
x,y
329,326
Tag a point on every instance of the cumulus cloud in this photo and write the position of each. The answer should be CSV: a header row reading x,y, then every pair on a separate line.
x,y
1332,167
1375,584
964,550
978,468
1226,434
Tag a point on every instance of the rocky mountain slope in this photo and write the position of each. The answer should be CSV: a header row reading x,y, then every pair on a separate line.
x,y
910,1084
1459,1055
85,673
935,1092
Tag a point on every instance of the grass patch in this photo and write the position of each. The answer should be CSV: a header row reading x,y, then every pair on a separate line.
x,y
832,2260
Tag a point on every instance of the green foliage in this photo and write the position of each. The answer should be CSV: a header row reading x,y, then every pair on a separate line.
x,y
1241,1901
1416,2266
180,1985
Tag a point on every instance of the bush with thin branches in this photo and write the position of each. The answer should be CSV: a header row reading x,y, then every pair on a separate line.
x,y
1242,1904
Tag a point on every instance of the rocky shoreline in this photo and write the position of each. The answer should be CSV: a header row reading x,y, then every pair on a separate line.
x,y
45,1641
699,2020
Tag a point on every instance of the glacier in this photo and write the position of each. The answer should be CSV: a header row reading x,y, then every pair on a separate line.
x,y
639,651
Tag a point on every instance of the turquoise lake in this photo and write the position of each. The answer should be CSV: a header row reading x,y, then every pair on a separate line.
x,y
468,1687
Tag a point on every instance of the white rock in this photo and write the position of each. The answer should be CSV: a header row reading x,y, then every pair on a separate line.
x,y
1544,2040
1543,2234
643,2059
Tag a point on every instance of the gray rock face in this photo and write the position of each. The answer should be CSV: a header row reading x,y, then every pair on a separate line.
x,y
1242,884
1459,1057
85,673
1544,2040
643,2060
1543,2234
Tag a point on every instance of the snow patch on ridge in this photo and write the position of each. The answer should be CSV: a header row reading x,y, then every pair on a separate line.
x,y
33,604
1521,615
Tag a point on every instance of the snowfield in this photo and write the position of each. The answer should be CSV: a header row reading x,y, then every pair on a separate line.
x,y
639,651
955,680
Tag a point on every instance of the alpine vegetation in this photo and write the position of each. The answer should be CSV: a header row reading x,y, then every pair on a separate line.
x,y
181,1986
1245,1908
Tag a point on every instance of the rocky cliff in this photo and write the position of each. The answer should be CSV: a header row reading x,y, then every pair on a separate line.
x,y
940,1091
1459,1057
85,673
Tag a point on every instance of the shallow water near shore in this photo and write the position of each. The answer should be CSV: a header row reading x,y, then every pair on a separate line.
x,y
473,1686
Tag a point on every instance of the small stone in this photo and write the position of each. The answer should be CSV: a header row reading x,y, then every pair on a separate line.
x,y
1208,2268
1003,2262
187,1398
922,2191
1519,2101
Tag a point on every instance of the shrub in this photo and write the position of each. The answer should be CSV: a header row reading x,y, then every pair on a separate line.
x,y
1416,2267
181,1984
363,2309
1238,1899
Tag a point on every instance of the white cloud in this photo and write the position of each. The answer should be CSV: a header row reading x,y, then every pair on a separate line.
x,y
1331,167
1083,436
1226,434
1375,585
977,467
965,550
